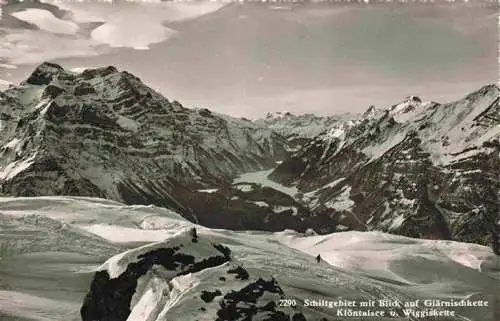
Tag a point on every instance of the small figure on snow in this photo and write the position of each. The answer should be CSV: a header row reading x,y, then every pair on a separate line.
x,y
318,258
194,235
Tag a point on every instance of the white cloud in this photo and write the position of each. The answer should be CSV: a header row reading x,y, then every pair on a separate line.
x,y
35,46
45,20
280,8
122,33
131,24
8,66
135,24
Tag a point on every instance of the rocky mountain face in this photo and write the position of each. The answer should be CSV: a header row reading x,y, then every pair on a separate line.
x,y
104,133
419,169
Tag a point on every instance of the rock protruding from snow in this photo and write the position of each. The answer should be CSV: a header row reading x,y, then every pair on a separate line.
x,y
114,292
155,281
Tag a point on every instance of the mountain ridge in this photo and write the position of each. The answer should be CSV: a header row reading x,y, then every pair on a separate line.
x,y
80,125
390,170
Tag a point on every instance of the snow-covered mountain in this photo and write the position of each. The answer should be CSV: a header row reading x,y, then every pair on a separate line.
x,y
75,258
417,168
103,133
299,129
298,126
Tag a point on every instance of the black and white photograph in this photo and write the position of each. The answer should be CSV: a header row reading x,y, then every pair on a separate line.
x,y
244,160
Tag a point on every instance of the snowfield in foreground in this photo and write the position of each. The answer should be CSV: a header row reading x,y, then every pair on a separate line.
x,y
51,247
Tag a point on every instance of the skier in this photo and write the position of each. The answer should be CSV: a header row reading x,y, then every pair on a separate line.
x,y
318,258
194,235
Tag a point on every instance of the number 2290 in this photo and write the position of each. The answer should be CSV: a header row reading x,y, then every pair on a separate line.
x,y
287,303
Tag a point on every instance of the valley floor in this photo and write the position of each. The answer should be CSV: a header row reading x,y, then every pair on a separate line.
x,y
261,177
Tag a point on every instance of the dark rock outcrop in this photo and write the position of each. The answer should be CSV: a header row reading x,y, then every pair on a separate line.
x,y
208,296
109,298
232,309
240,273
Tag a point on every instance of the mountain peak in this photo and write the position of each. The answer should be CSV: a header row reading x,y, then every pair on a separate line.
x,y
278,114
46,65
98,72
409,104
492,89
44,73
414,99
370,111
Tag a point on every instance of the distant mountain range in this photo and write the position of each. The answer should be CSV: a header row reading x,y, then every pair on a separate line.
x,y
301,126
417,168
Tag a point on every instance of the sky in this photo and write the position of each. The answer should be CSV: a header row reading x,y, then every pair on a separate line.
x,y
247,59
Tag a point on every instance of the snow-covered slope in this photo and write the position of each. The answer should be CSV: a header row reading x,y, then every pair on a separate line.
x,y
260,177
420,169
220,274
397,256
103,133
